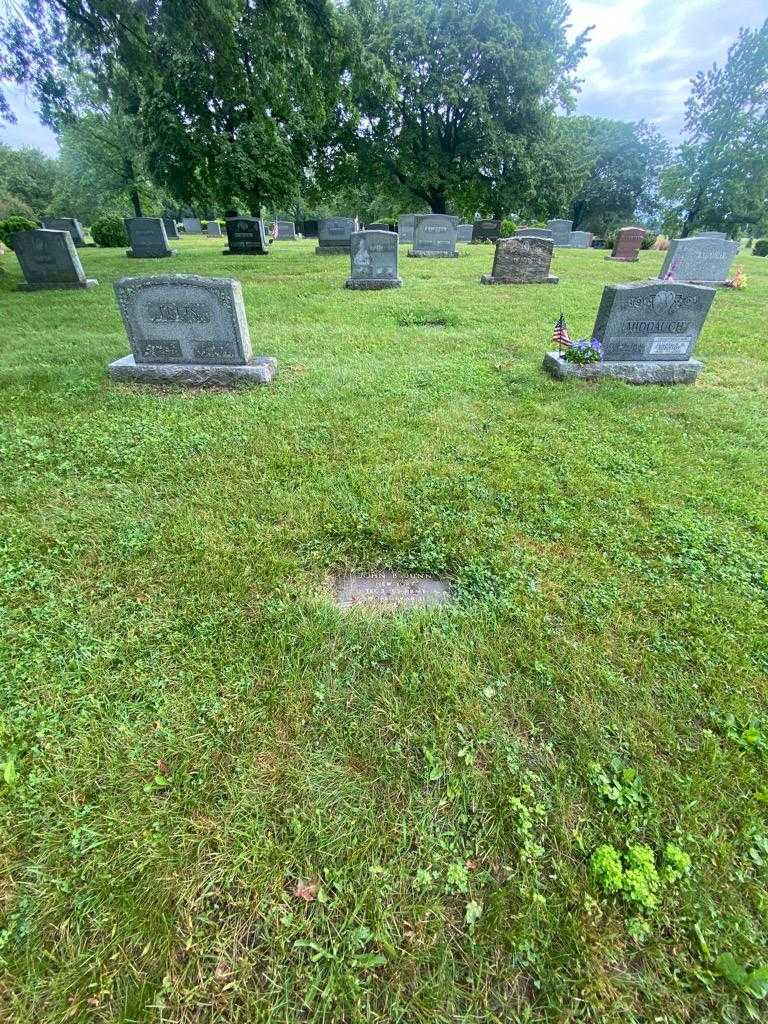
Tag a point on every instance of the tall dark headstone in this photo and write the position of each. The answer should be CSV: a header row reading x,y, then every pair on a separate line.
x,y
49,260
147,238
246,237
486,230
171,231
74,227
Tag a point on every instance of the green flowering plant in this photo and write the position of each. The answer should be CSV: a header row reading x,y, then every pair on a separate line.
x,y
584,351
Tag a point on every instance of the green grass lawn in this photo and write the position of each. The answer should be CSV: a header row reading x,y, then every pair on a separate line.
x,y
225,800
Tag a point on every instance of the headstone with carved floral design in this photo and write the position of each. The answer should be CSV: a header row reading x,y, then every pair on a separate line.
x,y
374,261
648,331
187,330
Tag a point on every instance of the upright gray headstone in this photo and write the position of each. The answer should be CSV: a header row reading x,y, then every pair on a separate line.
x,y
192,225
434,235
334,235
561,231
214,229
648,330
74,227
464,233
49,260
581,239
246,237
486,230
534,233
147,238
374,261
405,228
523,260
185,329
286,231
171,231
699,260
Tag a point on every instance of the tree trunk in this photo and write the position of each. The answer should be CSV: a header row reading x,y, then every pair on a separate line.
x,y
136,201
438,202
254,204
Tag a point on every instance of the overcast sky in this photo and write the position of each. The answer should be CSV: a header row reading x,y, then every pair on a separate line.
x,y
639,62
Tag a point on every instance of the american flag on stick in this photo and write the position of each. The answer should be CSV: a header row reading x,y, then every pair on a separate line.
x,y
561,335
274,232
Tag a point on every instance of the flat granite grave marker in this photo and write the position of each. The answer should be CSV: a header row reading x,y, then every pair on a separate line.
x,y
171,231
246,237
213,229
390,591
626,247
434,235
561,231
192,225
522,260
464,233
648,330
334,235
486,230
374,261
187,330
699,260
49,259
147,238
74,227
286,231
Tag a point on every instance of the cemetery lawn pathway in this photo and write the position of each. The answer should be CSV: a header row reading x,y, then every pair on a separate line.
x,y
222,799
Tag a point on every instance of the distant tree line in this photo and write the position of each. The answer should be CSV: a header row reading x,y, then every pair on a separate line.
x,y
374,107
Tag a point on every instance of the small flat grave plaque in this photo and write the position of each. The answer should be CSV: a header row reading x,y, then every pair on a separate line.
x,y
390,591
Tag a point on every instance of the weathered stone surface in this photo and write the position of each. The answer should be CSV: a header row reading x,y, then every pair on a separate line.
x,y
632,372
534,233
187,329
522,260
74,227
246,237
192,225
286,231
374,261
405,228
334,235
561,231
147,238
699,260
49,259
485,230
214,229
627,244
434,235
464,233
390,591
581,239
171,231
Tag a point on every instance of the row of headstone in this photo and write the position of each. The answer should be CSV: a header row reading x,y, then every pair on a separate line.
x,y
564,236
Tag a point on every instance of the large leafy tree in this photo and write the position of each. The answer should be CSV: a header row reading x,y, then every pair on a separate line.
x,y
451,101
619,166
720,177
28,181
229,94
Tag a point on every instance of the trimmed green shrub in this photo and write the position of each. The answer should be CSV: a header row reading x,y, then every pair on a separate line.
x,y
760,248
109,232
507,228
11,225
649,240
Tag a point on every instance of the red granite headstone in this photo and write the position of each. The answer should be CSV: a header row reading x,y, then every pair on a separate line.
x,y
627,244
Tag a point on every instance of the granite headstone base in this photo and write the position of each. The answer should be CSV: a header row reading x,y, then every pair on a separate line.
x,y
262,370
633,372
90,282
490,279
332,250
373,284
433,255
246,252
